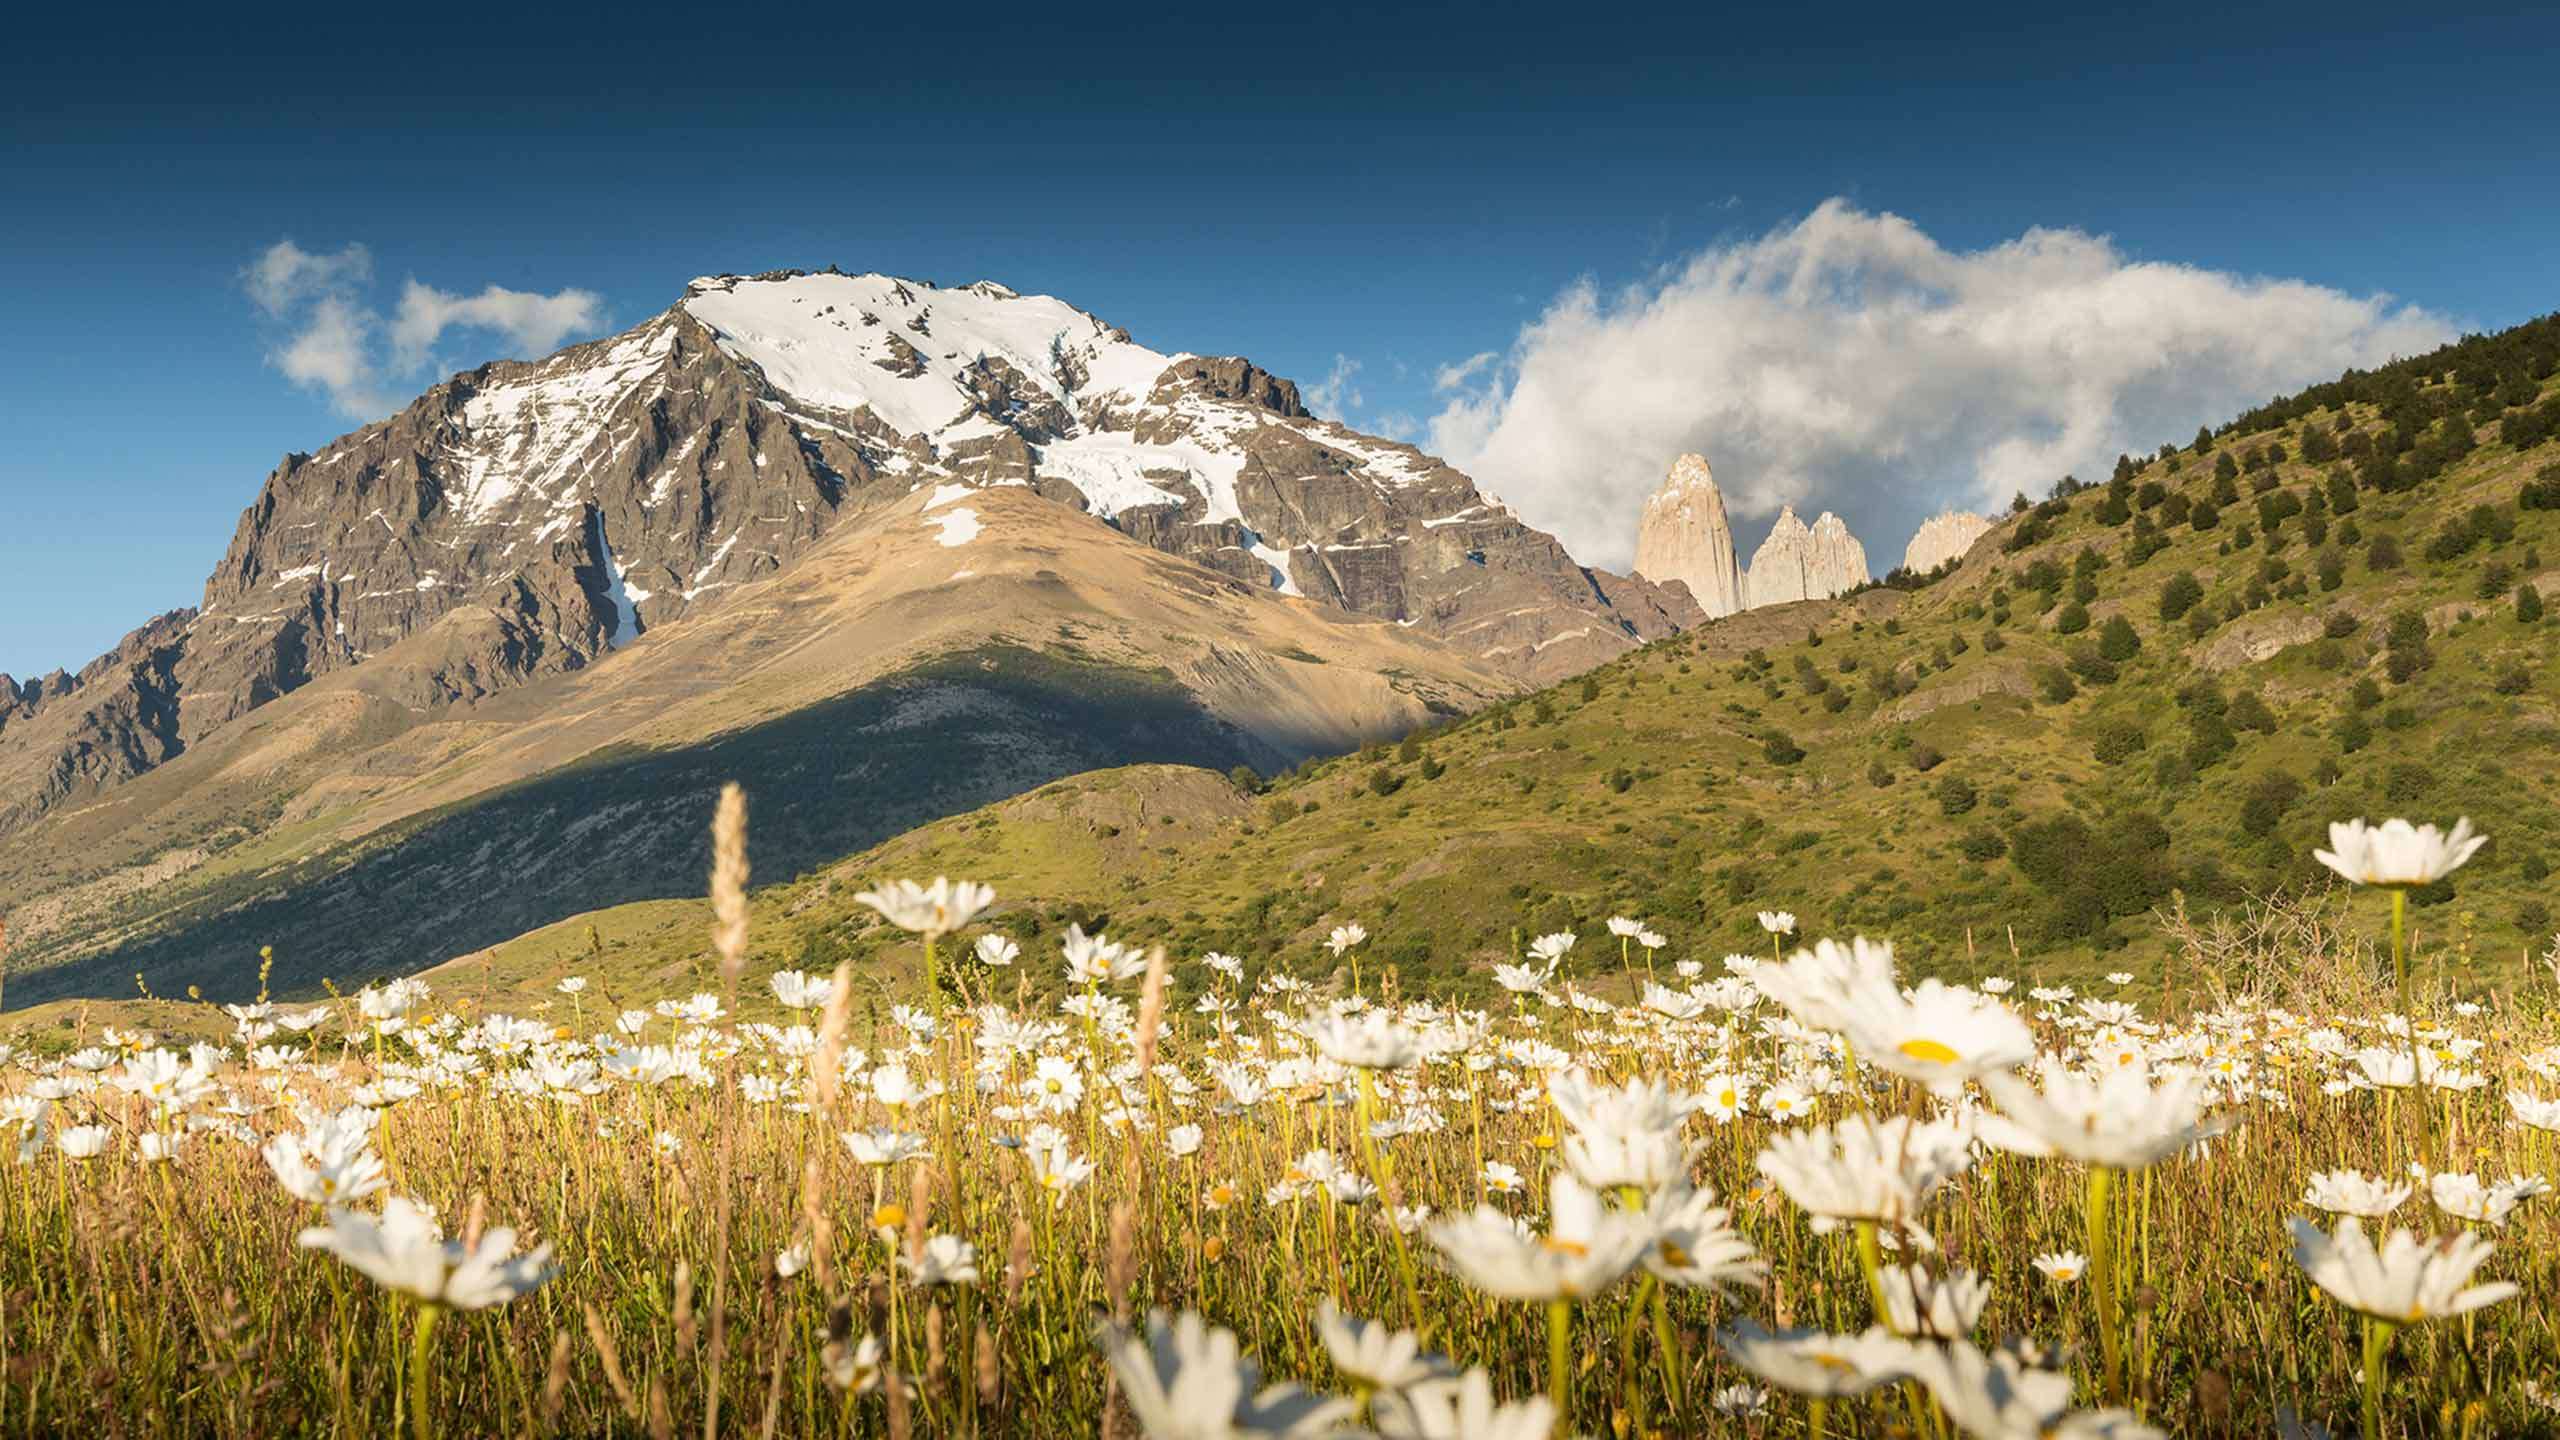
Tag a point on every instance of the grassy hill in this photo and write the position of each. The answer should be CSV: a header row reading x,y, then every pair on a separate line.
x,y
881,682
2136,696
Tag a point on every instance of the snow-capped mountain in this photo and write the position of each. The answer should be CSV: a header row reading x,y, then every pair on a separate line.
x,y
537,514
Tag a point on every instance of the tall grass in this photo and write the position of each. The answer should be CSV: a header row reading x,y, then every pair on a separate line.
x,y
170,1297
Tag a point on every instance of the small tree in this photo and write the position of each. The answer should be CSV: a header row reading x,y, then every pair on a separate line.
x,y
2117,639
2528,604
2180,595
1955,796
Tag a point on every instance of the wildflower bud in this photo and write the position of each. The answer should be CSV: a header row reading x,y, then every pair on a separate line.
x,y
555,1381
612,1360
2213,1399
729,880
990,1375
1122,1265
933,1357
895,1391
475,1220
826,1065
919,1203
1151,1009
1017,1263
684,1305
662,1420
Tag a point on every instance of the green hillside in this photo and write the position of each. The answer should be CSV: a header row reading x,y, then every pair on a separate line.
x,y
2139,694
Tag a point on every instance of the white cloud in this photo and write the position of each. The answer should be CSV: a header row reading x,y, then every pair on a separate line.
x,y
1847,361
334,341
286,275
1335,395
535,324
1450,377
329,351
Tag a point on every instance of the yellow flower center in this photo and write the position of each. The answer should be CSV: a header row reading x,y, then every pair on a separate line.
x,y
889,1217
1675,1256
1935,1052
1562,1246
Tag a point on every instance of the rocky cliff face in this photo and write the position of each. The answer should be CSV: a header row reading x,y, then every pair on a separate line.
x,y
563,507
1685,536
1942,538
1797,562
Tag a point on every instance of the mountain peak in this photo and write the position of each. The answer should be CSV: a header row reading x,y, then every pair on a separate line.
x,y
577,503
1686,536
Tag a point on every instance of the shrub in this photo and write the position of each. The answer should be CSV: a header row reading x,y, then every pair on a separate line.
x,y
2514,680
2248,712
1383,781
2056,685
2268,798
2528,604
2117,740
2073,619
2180,595
1982,843
2118,640
1955,796
1780,748
2407,783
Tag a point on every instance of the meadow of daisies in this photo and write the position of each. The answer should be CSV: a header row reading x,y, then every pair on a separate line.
x,y
1788,1193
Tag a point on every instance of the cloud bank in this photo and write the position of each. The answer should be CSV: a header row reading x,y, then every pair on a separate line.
x,y
1849,362
332,339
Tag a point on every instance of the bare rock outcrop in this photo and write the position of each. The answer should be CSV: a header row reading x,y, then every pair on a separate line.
x,y
1801,562
1941,538
1686,536
557,509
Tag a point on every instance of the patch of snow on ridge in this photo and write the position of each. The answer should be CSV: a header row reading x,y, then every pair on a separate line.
x,y
840,341
545,424
618,594
944,495
959,527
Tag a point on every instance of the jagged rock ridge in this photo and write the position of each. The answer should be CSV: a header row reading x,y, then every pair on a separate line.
x,y
1943,537
1686,536
537,514
1797,562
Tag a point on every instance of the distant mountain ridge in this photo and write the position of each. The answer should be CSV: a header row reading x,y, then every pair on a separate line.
x,y
1686,535
540,513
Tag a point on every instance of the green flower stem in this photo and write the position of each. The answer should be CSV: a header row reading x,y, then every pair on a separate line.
x,y
2377,1349
1871,1264
422,1425
1560,1364
2102,1280
1671,1358
2409,1016
1382,1175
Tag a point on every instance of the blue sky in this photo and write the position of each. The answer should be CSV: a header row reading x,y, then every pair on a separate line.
x,y
1316,188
